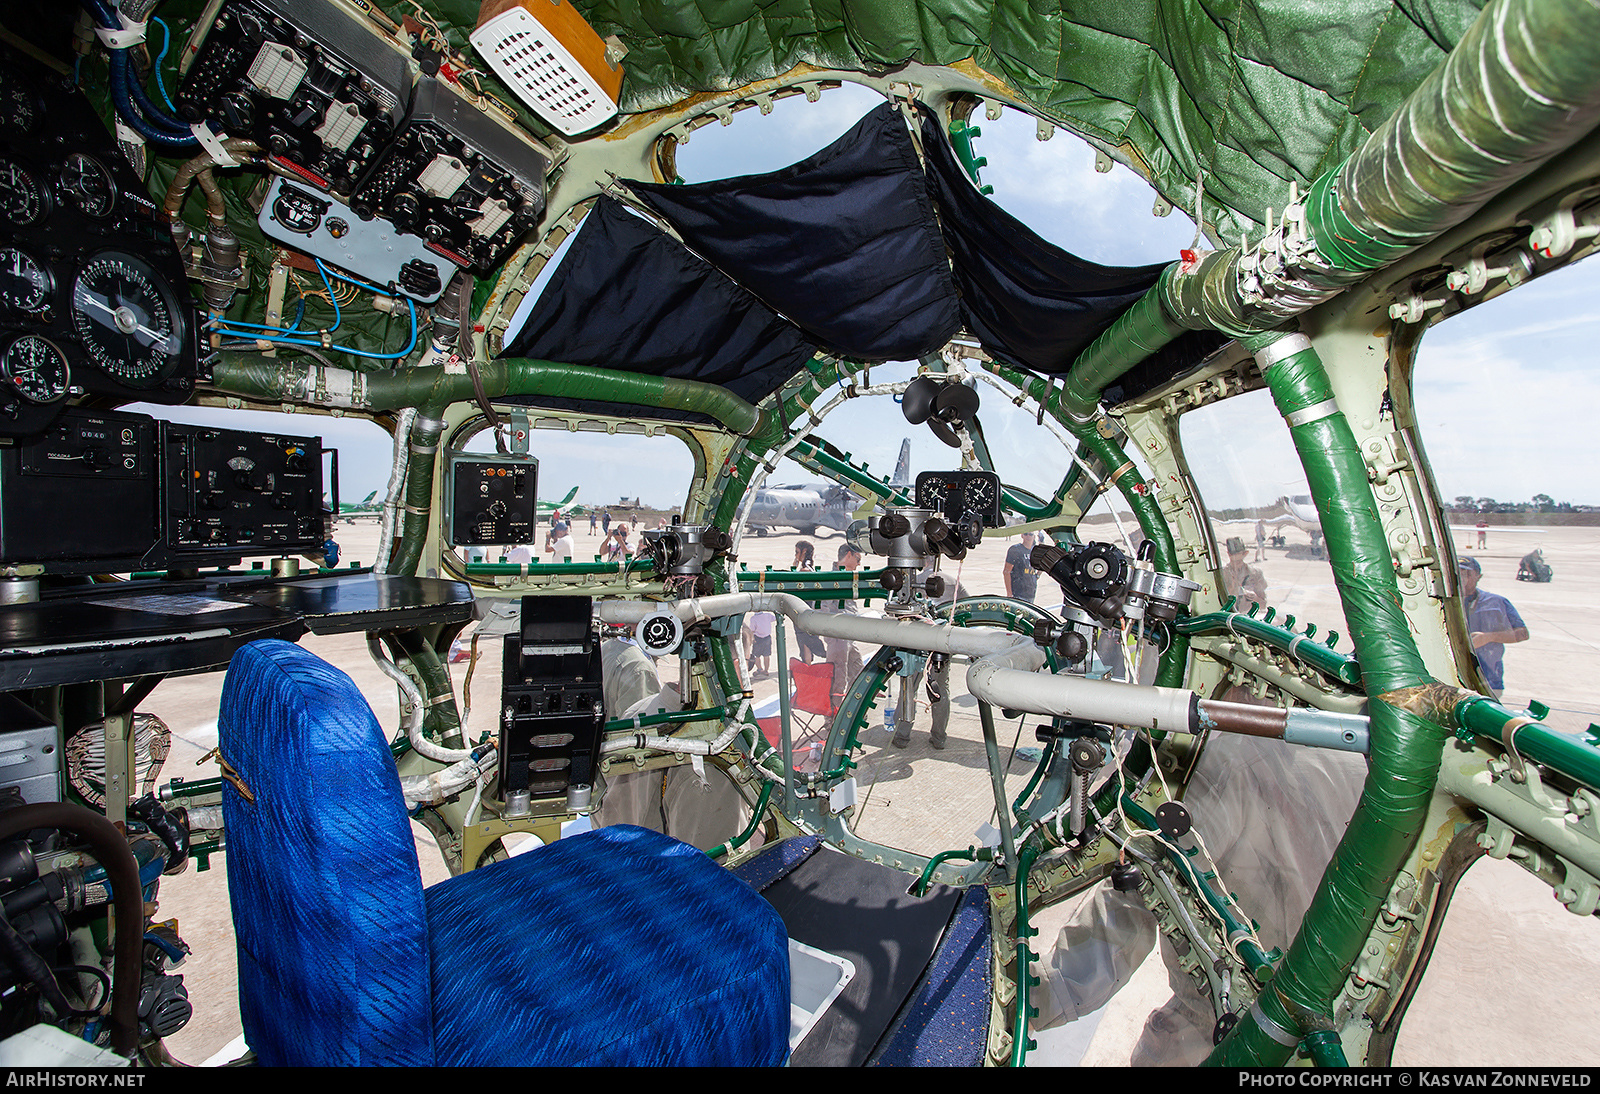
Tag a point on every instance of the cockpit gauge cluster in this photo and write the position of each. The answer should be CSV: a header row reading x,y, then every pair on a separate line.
x,y
374,153
961,495
92,290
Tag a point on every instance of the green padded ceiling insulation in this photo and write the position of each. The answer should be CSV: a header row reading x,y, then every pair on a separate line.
x,y
1249,95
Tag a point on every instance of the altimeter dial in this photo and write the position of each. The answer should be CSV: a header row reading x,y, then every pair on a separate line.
x,y
127,317
35,369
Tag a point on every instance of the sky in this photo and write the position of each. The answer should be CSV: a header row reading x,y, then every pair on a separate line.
x,y
1505,392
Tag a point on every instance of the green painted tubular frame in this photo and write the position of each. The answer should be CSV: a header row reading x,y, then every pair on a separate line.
x,y
1571,756
1339,666
664,718
1146,326
558,569
1516,89
819,459
255,376
1256,960
1406,747
743,837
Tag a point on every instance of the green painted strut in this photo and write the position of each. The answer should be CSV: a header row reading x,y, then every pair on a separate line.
x,y
755,820
1340,666
1406,746
1256,960
1143,329
1574,757
255,376
820,459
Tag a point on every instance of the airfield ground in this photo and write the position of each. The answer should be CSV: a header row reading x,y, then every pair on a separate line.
x,y
1513,970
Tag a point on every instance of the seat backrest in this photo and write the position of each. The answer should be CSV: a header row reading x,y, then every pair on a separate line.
x,y
322,869
813,686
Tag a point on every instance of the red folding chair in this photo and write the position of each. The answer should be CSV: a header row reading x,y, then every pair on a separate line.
x,y
810,708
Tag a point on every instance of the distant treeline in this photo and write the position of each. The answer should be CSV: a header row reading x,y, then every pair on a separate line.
x,y
1558,519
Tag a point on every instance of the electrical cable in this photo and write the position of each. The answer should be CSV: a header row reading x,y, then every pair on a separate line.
x,y
225,327
166,43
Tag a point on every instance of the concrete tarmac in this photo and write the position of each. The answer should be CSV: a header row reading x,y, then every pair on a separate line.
x,y
1511,971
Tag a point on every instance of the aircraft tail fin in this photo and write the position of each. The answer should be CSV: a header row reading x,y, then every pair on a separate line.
x,y
570,498
368,499
902,467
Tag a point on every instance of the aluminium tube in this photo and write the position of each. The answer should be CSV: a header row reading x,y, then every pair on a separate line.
x,y
900,634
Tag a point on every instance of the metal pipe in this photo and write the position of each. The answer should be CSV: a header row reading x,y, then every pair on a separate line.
x,y
111,851
896,633
1519,87
785,721
254,376
755,820
997,782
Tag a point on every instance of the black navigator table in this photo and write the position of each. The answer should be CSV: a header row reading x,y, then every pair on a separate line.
x,y
125,630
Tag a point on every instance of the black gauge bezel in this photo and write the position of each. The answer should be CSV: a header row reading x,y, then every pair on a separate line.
x,y
14,383
70,195
47,290
92,336
40,190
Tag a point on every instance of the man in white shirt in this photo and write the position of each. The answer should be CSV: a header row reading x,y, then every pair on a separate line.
x,y
561,545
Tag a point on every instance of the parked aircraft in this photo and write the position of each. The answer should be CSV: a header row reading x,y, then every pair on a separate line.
x,y
809,507
339,207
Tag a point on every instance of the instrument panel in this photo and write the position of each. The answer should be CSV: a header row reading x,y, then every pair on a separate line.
x,y
93,296
959,495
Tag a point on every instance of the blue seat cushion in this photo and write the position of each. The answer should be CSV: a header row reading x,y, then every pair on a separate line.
x,y
619,947
322,869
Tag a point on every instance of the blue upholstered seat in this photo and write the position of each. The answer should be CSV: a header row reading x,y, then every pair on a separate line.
x,y
619,946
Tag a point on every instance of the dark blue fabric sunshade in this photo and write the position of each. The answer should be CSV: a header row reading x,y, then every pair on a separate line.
x,y
844,243
842,251
628,297
1026,300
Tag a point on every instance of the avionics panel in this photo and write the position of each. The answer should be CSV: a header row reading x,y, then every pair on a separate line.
x,y
467,183
93,295
491,500
82,498
230,493
108,492
309,81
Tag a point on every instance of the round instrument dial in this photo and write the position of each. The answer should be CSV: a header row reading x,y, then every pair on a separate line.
x,y
981,495
26,284
23,199
127,317
36,369
87,183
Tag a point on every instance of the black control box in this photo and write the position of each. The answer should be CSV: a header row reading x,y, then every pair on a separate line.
x,y
491,500
82,498
552,706
468,184
230,493
108,492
